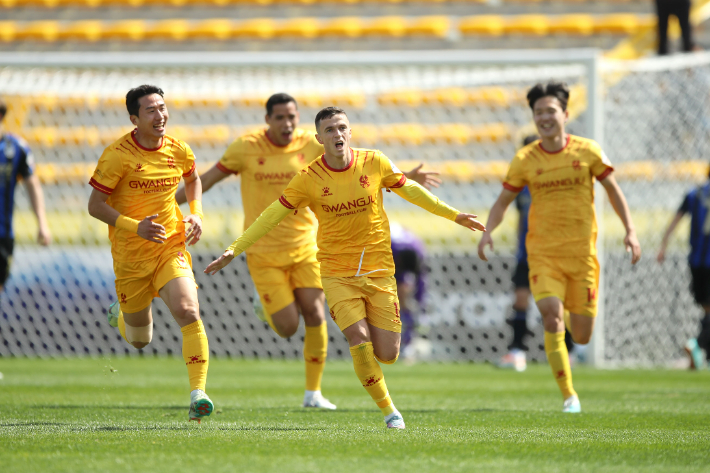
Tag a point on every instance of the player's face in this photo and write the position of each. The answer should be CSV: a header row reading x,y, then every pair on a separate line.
x,y
334,134
549,117
152,116
282,122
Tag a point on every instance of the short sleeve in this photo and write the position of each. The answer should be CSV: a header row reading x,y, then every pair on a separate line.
x,y
295,196
515,178
687,204
392,177
108,172
26,163
232,160
189,166
600,166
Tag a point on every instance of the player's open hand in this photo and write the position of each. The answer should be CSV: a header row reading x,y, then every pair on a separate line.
x,y
631,242
194,229
486,239
44,236
426,179
151,231
469,221
219,263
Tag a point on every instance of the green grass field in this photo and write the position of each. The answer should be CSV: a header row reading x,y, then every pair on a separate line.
x,y
128,415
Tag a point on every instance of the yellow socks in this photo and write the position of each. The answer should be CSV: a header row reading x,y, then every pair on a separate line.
x,y
558,357
196,352
566,317
370,374
122,326
315,349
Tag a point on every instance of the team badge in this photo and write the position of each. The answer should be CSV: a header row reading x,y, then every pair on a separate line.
x,y
576,165
364,182
171,162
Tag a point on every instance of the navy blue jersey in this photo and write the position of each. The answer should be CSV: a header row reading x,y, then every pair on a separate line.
x,y
696,203
15,161
522,202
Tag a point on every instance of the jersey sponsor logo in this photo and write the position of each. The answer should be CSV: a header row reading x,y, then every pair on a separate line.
x,y
261,160
195,360
139,168
576,165
591,294
155,185
123,298
326,192
171,162
357,204
567,182
364,182
274,176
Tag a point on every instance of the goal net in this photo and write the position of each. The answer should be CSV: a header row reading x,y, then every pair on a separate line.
x,y
462,113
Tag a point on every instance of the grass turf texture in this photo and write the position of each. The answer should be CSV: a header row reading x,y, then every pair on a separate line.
x,y
130,414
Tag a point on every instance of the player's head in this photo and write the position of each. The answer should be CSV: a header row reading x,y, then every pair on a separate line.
x,y
147,110
333,131
530,139
549,106
282,118
3,110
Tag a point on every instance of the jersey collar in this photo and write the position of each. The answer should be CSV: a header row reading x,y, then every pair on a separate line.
x,y
559,150
350,164
135,141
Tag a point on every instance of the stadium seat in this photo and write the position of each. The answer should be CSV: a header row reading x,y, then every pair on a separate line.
x,y
345,27
298,28
620,24
217,29
412,98
637,170
171,30
403,133
45,30
532,25
446,96
434,26
262,28
493,96
7,31
86,30
122,3
694,171
391,26
483,25
127,30
494,132
573,25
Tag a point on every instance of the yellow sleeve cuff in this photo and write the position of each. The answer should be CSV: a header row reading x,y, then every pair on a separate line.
x,y
268,219
196,208
127,223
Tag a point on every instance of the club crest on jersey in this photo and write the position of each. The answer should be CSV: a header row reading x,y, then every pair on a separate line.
x,y
364,182
576,165
326,192
261,160
139,168
301,158
539,171
171,162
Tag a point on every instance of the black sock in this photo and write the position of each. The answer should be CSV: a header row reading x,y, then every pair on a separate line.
x,y
704,335
520,330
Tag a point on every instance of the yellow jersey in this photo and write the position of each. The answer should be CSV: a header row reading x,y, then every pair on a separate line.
x,y
141,182
562,219
353,232
266,169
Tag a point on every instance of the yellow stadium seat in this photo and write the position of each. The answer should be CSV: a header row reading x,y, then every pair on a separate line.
x,y
7,31
620,23
455,96
86,30
365,135
171,30
448,133
8,3
121,3
171,3
262,28
493,96
532,25
38,31
494,132
483,25
436,26
577,25
345,27
298,28
350,99
133,30
218,29
391,26
211,135
637,170
687,171
43,136
312,100
403,133
412,98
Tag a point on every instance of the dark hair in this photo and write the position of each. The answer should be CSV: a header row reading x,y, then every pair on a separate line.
x,y
278,99
328,112
3,109
559,90
529,139
134,95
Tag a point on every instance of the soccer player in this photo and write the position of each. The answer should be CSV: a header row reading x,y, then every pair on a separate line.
x,y
344,190
283,265
133,192
17,163
560,170
696,203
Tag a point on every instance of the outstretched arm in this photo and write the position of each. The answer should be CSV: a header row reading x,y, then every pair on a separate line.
x,y
494,219
667,235
618,201
426,179
208,179
268,219
34,189
417,195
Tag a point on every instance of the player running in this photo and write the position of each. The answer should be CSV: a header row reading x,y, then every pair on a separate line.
x,y
283,264
134,193
344,190
560,170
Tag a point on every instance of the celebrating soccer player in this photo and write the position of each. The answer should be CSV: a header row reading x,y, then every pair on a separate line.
x,y
134,193
283,265
344,190
560,170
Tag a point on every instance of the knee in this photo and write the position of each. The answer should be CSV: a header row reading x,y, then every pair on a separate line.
x,y
581,338
313,314
388,361
187,313
285,328
388,354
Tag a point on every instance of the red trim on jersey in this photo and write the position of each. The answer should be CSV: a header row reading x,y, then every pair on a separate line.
x,y
400,183
512,188
324,170
286,203
192,169
133,135
350,164
100,187
606,173
266,134
225,169
559,150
